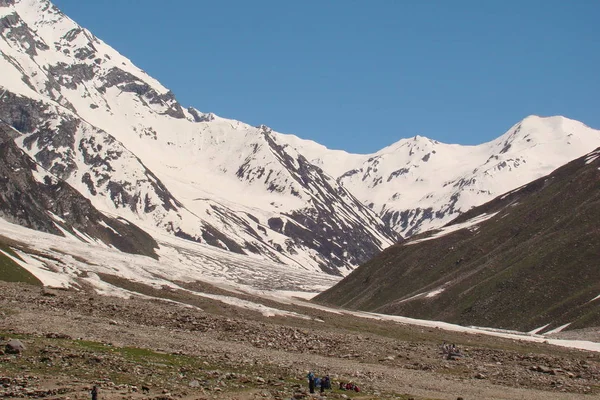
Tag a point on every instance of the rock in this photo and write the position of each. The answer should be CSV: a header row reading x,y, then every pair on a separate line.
x,y
15,347
479,375
48,292
541,368
194,384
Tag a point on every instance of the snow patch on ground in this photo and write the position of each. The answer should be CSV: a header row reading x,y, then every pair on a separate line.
x,y
179,260
536,330
104,224
412,297
55,217
40,270
435,292
577,344
592,157
106,289
559,329
68,269
248,305
455,227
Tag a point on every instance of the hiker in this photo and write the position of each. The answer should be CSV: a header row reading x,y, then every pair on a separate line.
x,y
445,348
311,382
326,383
94,393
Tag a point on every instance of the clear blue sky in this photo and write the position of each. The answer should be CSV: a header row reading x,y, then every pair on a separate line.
x,y
360,75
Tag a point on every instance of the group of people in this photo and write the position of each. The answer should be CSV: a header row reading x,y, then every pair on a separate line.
x,y
450,351
315,382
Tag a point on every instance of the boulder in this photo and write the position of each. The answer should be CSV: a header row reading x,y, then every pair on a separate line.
x,y
14,347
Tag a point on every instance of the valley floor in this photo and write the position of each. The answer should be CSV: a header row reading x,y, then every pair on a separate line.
x,y
207,349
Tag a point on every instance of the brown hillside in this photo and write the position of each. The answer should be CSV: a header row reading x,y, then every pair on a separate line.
x,y
535,262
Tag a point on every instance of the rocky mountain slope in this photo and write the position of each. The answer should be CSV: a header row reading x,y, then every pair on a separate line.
x,y
96,121
528,260
92,119
33,198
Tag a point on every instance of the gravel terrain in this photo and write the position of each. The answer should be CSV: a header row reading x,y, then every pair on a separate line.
x,y
143,348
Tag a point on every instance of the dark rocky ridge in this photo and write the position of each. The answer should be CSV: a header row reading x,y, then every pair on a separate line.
x,y
330,227
57,150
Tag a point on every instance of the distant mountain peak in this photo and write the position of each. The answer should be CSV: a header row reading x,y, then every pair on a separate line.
x,y
199,116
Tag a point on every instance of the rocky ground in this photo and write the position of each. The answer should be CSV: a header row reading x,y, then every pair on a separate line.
x,y
143,348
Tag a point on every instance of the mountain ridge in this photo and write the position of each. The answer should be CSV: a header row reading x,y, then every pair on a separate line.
x,y
92,118
411,201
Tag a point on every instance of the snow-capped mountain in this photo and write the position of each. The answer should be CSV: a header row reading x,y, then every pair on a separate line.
x,y
419,184
92,119
88,116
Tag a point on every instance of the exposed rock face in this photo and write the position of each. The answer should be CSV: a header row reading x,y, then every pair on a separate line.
x,y
35,198
329,226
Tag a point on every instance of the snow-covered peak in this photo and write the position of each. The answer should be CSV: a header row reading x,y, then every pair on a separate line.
x,y
70,43
416,142
419,183
199,116
535,130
